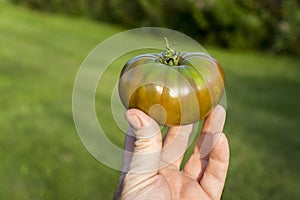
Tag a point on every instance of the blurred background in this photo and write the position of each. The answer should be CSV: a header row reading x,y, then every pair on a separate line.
x,y
43,43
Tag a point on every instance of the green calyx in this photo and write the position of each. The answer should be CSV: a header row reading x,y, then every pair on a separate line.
x,y
170,56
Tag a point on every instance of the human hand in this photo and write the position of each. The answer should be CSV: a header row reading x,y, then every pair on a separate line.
x,y
151,165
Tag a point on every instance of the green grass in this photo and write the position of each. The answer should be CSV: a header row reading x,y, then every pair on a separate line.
x,y
42,157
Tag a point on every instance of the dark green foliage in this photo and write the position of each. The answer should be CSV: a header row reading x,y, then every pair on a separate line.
x,y
242,24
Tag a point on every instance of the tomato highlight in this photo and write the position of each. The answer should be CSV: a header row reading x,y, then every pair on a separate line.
x,y
174,88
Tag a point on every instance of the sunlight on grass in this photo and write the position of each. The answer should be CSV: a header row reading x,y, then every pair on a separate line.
x,y
42,157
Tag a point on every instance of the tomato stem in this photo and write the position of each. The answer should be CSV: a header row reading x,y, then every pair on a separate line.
x,y
170,56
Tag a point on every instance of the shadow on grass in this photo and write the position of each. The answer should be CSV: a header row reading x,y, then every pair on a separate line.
x,y
263,113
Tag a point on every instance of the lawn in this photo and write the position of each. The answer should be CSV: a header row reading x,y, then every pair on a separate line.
x,y
42,157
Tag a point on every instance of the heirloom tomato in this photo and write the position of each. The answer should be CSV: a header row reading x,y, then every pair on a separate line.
x,y
171,87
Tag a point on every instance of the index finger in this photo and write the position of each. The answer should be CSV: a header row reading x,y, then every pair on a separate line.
x,y
212,128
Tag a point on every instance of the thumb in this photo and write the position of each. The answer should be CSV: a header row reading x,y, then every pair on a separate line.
x,y
143,142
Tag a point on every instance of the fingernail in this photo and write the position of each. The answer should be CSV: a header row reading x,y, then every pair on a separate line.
x,y
134,121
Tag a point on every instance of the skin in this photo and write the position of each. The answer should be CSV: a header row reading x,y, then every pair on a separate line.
x,y
152,170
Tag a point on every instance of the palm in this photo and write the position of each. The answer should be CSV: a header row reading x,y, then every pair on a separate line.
x,y
203,175
178,185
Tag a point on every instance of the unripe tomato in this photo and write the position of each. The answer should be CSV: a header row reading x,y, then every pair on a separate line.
x,y
172,88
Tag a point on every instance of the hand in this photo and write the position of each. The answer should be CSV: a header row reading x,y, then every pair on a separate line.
x,y
151,165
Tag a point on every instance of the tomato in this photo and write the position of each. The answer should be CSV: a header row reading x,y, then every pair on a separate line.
x,y
173,88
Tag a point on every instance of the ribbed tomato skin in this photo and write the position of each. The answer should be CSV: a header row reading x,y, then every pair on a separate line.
x,y
172,95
